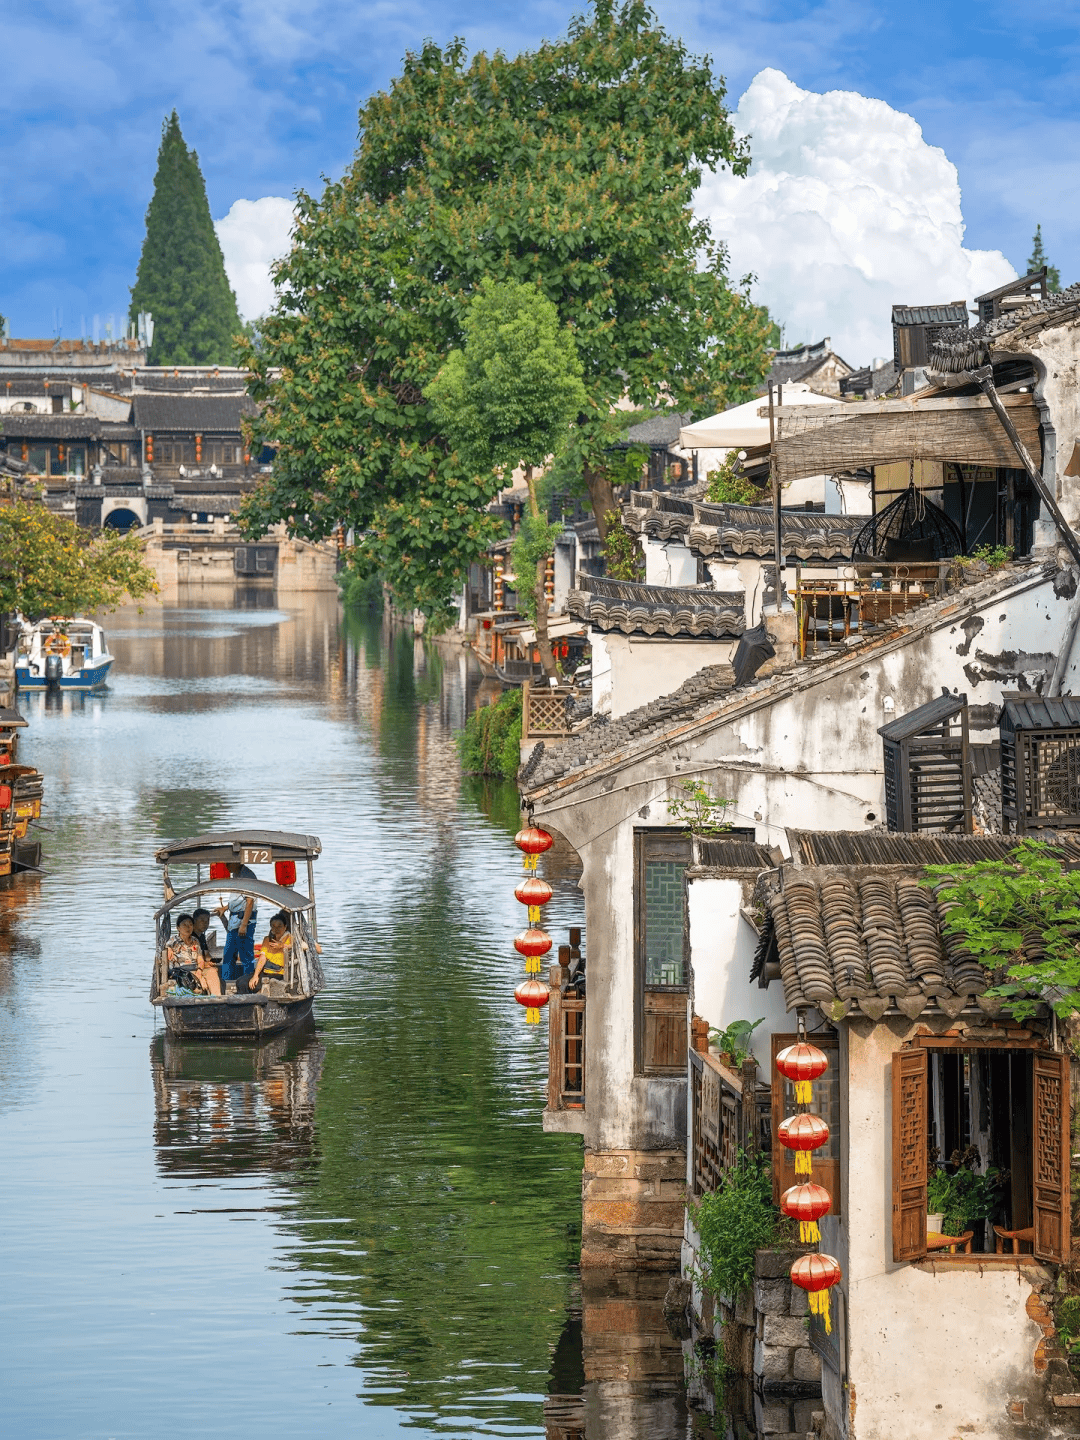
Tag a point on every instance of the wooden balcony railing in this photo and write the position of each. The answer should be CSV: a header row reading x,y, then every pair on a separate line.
x,y
831,609
566,1042
729,1112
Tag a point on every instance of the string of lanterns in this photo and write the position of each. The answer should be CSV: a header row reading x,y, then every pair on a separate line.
x,y
806,1202
534,942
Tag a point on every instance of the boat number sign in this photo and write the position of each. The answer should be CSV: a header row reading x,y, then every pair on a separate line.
x,y
256,857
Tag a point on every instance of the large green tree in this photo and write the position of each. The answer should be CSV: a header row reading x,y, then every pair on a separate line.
x,y
181,278
51,566
507,400
571,167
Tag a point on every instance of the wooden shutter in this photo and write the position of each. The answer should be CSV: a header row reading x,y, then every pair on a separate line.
x,y
909,1153
665,1043
1051,1157
826,1104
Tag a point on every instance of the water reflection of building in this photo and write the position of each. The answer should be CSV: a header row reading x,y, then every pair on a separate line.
x,y
632,1366
232,1109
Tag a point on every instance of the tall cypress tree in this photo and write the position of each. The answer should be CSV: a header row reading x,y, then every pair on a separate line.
x,y
181,278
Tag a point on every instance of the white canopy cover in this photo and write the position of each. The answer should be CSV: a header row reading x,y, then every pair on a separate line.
x,y
743,425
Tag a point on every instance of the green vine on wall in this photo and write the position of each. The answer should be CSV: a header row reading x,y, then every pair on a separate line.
x,y
623,556
734,1222
699,809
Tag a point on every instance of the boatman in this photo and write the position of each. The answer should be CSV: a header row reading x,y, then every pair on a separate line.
x,y
240,916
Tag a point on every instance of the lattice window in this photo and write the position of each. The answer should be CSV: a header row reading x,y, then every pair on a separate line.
x,y
660,962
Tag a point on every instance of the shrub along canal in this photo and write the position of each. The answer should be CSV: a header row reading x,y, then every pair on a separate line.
x,y
359,1230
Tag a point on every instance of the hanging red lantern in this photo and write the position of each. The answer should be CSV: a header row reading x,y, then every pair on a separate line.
x,y
532,994
802,1133
219,870
532,943
533,840
806,1203
817,1274
533,892
802,1064
5,797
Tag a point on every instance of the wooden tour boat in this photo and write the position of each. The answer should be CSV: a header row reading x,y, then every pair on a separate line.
x,y
279,1004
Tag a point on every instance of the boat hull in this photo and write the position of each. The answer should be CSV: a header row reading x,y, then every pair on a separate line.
x,y
232,1017
88,678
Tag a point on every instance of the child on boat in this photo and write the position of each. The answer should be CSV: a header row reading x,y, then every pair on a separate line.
x,y
184,953
275,950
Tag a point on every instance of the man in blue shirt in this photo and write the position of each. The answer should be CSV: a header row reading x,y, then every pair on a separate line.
x,y
240,916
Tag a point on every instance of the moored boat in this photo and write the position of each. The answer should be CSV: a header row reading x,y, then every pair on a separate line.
x,y
238,1013
62,654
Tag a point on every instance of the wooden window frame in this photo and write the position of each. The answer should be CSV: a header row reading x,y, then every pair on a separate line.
x,y
646,997
1051,1141
826,1172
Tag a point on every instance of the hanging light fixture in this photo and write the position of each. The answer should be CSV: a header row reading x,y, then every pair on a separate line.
x,y
817,1274
802,1064
802,1133
534,942
806,1203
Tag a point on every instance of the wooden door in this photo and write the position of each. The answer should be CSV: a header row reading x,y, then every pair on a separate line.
x,y
1050,1152
664,1035
909,1153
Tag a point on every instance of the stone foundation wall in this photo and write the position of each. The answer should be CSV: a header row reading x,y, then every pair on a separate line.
x,y
632,1207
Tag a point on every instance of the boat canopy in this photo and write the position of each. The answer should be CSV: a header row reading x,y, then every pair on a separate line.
x,y
278,896
240,847
11,719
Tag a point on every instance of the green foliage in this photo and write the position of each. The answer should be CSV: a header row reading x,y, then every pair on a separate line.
x,y
698,809
734,1222
729,486
490,742
1037,260
962,1197
734,1039
570,168
623,555
360,591
507,398
998,904
533,542
181,277
1067,1319
993,556
51,566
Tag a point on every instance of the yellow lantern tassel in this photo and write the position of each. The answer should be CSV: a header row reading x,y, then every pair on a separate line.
x,y
802,1162
534,914
533,965
804,1092
528,862
809,1233
532,1017
819,1305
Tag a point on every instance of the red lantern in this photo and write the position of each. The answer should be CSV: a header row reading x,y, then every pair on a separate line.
x,y
533,892
533,840
285,872
818,1274
532,942
5,758
802,1133
5,797
802,1064
806,1203
219,870
532,994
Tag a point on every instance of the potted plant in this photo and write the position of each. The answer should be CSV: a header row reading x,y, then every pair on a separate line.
x,y
733,1042
958,1197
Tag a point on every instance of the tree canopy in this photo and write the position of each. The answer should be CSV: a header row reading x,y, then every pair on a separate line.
x,y
181,278
50,566
571,168
1037,260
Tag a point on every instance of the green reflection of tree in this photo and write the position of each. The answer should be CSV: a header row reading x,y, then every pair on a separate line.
x,y
177,814
441,1222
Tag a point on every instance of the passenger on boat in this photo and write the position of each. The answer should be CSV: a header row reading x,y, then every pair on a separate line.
x,y
240,915
275,950
185,960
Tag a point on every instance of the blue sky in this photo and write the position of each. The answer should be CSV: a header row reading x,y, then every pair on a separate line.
x,y
268,92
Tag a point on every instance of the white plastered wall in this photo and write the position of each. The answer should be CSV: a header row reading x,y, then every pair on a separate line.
x,y
669,563
645,667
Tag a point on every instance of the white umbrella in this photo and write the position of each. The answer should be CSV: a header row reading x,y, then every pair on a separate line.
x,y
742,426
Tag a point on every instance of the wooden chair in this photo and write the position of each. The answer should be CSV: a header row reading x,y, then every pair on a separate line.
x,y
1018,1238
950,1242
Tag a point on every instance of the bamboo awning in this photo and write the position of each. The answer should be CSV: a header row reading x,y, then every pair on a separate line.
x,y
819,441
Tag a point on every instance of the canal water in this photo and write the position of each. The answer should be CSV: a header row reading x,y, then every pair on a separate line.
x,y
358,1231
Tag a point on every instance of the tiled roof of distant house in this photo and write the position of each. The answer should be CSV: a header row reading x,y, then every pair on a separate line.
x,y
50,427
799,364
662,431
635,609
203,413
719,531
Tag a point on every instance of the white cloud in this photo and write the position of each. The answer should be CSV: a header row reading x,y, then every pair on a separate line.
x,y
846,211
253,235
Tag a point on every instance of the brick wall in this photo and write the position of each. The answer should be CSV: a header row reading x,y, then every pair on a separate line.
x,y
632,1207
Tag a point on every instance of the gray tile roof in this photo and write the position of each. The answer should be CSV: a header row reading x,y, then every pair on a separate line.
x,y
634,609
50,427
1032,712
727,531
661,431
953,314
974,347
214,414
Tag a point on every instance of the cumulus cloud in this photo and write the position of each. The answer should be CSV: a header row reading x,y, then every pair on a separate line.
x,y
846,211
253,235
